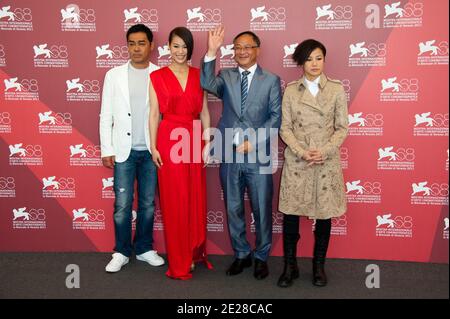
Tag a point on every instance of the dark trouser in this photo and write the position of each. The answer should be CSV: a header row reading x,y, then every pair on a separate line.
x,y
291,233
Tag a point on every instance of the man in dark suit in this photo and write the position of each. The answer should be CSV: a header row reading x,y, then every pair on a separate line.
x,y
251,114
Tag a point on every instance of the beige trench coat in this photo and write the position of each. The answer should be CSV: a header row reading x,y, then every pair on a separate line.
x,y
321,123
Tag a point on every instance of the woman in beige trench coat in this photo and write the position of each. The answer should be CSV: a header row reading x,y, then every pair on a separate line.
x,y
314,125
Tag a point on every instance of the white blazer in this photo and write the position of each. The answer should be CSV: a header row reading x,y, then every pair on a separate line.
x,y
115,114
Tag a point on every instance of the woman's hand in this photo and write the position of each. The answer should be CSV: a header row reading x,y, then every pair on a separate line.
x,y
313,157
156,157
205,155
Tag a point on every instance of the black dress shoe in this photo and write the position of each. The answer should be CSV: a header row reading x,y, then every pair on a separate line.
x,y
261,269
238,266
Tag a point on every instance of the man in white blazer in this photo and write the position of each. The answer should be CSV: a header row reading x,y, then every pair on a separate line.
x,y
125,147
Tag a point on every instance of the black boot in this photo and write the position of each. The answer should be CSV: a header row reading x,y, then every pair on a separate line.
x,y
319,275
290,271
322,238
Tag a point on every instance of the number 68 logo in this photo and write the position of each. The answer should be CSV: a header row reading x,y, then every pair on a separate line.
x,y
215,217
96,215
403,222
7,183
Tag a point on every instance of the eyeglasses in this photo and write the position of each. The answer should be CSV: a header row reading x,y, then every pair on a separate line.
x,y
245,48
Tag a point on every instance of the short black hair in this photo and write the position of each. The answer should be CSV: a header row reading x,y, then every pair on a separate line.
x,y
186,36
140,28
250,33
304,49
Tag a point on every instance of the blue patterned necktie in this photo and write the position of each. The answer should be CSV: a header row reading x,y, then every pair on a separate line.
x,y
244,89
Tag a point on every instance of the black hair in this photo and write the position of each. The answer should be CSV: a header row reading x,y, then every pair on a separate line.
x,y
186,36
250,33
140,28
304,49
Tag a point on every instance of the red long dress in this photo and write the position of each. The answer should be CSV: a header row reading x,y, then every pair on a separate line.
x,y
181,179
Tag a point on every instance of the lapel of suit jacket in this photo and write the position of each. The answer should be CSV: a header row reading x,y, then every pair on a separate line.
x,y
236,86
254,86
123,83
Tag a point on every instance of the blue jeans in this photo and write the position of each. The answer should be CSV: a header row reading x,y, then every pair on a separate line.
x,y
139,166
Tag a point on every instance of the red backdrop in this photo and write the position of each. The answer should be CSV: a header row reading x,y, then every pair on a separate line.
x,y
392,58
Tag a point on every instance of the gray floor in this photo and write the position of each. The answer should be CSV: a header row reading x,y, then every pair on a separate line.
x,y
43,275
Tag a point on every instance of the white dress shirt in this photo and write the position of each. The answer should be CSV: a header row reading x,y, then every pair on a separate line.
x,y
313,86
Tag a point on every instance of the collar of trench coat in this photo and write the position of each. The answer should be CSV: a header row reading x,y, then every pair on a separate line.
x,y
323,81
308,98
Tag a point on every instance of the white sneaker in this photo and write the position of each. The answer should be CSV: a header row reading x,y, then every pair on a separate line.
x,y
116,263
151,257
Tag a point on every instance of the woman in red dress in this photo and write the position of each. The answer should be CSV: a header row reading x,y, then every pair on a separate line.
x,y
176,146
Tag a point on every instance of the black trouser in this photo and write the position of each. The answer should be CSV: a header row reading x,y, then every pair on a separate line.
x,y
291,225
